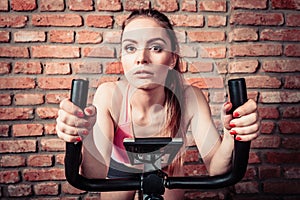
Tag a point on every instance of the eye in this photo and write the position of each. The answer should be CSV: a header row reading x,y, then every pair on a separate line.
x,y
130,49
156,48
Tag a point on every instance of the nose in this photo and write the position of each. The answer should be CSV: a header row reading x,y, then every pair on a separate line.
x,y
142,57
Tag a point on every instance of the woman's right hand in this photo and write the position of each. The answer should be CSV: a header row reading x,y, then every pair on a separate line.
x,y
72,123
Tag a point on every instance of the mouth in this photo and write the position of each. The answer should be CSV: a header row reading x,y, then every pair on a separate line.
x,y
143,73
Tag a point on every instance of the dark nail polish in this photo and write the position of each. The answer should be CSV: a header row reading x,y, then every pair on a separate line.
x,y
236,114
238,138
233,132
232,125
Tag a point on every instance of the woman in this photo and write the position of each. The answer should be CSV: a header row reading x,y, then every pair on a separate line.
x,y
152,101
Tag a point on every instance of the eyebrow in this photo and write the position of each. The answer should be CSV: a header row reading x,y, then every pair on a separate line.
x,y
149,41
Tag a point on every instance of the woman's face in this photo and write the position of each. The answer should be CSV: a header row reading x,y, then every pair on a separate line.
x,y
146,53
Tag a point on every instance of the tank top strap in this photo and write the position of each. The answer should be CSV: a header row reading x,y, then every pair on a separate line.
x,y
125,114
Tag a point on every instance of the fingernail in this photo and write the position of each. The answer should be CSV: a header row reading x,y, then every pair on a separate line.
x,y
85,132
89,111
238,138
232,132
78,139
236,114
232,125
80,114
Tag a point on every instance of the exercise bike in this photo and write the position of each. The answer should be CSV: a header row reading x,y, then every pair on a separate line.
x,y
149,151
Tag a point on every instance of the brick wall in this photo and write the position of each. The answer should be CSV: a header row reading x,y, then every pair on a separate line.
x,y
47,43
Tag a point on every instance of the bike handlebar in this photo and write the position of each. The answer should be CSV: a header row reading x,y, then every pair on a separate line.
x,y
238,96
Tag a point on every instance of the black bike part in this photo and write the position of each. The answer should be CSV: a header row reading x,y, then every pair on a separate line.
x,y
239,163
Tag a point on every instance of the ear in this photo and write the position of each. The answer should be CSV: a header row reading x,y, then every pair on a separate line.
x,y
173,60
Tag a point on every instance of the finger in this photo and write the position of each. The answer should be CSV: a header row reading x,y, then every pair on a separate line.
x,y
90,110
248,137
254,128
71,120
71,108
245,109
245,120
70,130
68,138
226,118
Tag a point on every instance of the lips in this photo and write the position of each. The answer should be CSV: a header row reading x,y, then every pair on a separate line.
x,y
143,72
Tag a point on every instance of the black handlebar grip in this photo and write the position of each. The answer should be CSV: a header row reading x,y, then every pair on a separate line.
x,y
237,92
79,92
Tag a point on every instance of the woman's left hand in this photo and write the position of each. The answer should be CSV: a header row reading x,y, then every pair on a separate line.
x,y
244,122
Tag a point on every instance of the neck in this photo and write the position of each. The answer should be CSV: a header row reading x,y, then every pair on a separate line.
x,y
143,99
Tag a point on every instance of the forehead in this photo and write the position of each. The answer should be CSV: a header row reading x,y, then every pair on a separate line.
x,y
143,29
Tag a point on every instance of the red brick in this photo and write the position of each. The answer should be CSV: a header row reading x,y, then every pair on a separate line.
x,y
187,20
263,82
188,51
268,112
243,34
47,112
51,83
289,127
195,170
83,5
57,68
254,4
254,158
23,5
11,176
291,172
191,155
4,5
99,21
112,37
280,35
212,82
280,65
69,189
28,68
61,36
60,20
5,99
87,68
266,141
267,172
255,18
216,21
292,82
213,5
49,129
197,67
43,174
5,67
213,52
4,36
40,160
14,21
114,68
89,37
206,36
12,161
249,187
291,143
55,52
14,52
51,5
30,36
189,5
53,145
243,66
280,97
291,112
19,190
21,130
16,83
109,5
56,98
292,19
267,127
60,159
17,146
99,52
166,5
281,187
282,158
292,50
4,130
16,113
255,50
136,4
47,188
285,4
